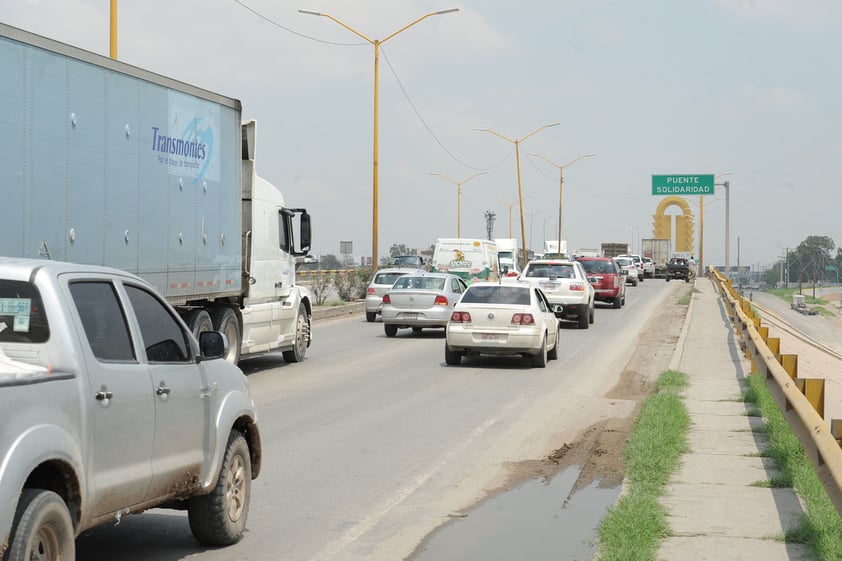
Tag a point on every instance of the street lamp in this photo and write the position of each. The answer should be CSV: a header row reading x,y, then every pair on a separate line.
x,y
459,198
726,184
561,183
517,142
376,43
509,205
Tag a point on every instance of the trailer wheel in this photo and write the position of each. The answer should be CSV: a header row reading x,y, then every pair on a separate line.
x,y
198,320
302,336
42,528
225,320
219,518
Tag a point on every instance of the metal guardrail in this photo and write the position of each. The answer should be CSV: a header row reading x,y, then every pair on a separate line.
x,y
801,400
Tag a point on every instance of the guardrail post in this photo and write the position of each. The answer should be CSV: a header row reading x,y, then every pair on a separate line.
x,y
774,344
789,362
813,390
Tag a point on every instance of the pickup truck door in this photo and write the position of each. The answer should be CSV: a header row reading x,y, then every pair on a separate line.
x,y
118,399
182,423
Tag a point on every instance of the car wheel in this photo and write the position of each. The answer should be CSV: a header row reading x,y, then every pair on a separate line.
x,y
451,358
225,320
302,336
634,282
668,278
370,316
591,315
42,528
641,279
391,330
617,302
583,321
552,354
540,360
219,518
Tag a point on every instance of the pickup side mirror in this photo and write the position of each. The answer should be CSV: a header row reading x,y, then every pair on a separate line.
x,y
212,344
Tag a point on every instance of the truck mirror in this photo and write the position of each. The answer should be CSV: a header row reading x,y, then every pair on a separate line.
x,y
305,232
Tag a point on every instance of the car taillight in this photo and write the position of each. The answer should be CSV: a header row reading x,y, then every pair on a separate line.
x,y
460,317
523,319
512,274
370,290
387,300
577,287
440,301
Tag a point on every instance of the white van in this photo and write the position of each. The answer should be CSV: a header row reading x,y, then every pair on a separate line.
x,y
471,259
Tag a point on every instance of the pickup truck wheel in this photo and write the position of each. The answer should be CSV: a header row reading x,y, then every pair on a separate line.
x,y
198,320
302,336
219,518
42,528
225,320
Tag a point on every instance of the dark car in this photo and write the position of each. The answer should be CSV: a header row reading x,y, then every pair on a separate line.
x,y
607,278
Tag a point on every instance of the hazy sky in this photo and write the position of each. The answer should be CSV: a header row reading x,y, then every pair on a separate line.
x,y
746,87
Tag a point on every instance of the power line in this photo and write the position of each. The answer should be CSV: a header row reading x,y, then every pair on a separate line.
x,y
287,29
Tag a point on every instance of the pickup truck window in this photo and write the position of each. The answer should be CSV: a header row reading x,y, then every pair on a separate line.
x,y
164,339
22,317
103,320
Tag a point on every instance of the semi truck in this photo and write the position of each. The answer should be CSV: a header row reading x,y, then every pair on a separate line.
x,y
104,163
659,250
508,253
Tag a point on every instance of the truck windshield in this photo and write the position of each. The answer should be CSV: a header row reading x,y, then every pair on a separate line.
x,y
22,318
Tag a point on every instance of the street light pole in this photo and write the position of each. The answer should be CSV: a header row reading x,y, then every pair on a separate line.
x,y
727,186
561,184
376,44
459,198
113,37
517,142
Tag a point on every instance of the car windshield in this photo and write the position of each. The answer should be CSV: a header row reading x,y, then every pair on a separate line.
x,y
551,270
497,294
419,283
597,266
387,278
625,262
406,260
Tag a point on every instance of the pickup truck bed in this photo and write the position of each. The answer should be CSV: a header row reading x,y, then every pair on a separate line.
x,y
678,269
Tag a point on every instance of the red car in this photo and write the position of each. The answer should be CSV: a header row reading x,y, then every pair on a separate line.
x,y
607,279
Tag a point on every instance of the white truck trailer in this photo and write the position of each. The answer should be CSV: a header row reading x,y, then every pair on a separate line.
x,y
108,164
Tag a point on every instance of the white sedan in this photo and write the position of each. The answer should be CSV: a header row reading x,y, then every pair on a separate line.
x,y
502,319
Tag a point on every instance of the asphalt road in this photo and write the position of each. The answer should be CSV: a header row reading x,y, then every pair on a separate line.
x,y
373,442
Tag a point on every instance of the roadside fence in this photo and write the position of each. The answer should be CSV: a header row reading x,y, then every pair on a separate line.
x,y
801,400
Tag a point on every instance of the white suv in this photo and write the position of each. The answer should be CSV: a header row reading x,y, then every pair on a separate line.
x,y
627,264
566,285
638,265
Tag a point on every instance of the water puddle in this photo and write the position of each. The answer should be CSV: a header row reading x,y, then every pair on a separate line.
x,y
535,521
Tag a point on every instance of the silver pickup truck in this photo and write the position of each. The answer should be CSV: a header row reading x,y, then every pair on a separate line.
x,y
110,406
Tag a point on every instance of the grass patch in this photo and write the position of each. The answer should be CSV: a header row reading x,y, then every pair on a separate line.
x,y
785,294
334,303
633,527
821,528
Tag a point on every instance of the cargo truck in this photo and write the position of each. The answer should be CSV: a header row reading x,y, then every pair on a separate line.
x,y
611,249
659,250
104,163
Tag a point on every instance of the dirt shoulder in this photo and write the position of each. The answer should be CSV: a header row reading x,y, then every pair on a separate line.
x,y
598,450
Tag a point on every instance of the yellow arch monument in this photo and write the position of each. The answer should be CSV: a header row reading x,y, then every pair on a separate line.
x,y
684,224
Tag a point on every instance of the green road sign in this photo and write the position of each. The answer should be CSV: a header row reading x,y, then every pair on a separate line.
x,y
830,268
682,184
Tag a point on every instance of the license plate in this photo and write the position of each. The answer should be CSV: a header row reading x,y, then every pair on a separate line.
x,y
491,337
549,286
410,315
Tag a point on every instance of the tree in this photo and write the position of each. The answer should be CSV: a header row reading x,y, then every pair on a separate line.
x,y
400,249
330,263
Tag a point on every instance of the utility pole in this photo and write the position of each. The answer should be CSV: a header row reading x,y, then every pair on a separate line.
x,y
489,224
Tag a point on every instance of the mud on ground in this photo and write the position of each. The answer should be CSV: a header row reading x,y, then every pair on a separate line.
x,y
598,450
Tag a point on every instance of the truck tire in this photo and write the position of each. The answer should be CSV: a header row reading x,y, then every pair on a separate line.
x,y
219,518
42,528
225,320
198,320
302,336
